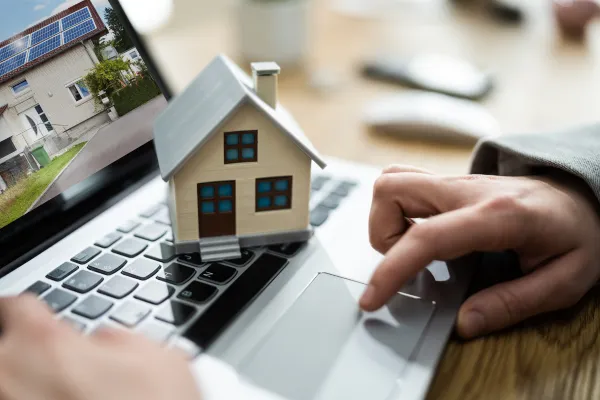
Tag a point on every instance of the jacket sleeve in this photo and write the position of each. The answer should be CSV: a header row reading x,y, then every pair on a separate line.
x,y
576,152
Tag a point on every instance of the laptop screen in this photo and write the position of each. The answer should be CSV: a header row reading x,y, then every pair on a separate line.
x,y
78,97
75,96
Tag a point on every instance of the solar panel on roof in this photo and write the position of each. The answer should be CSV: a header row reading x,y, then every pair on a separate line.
x,y
44,47
13,48
79,31
12,63
75,18
44,33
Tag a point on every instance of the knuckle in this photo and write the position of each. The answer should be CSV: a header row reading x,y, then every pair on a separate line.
x,y
512,304
392,168
382,185
505,203
376,239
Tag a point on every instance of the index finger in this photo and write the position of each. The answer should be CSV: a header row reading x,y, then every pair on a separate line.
x,y
401,195
444,237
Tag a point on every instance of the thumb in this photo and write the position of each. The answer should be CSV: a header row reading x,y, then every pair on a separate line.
x,y
558,284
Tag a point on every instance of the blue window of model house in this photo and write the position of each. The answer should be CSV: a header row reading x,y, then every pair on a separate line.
x,y
216,197
208,207
241,147
274,193
225,206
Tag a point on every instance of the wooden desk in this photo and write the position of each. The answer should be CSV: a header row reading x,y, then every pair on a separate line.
x,y
542,83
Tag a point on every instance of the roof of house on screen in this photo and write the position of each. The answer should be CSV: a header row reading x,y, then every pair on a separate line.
x,y
215,95
49,38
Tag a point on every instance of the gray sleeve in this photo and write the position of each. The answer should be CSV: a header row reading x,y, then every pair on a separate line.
x,y
576,151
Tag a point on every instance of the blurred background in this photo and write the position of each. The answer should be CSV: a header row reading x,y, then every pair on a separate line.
x,y
539,62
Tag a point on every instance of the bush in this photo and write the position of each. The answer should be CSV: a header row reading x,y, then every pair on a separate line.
x,y
140,91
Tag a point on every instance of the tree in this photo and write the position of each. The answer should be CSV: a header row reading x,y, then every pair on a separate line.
x,y
106,76
122,41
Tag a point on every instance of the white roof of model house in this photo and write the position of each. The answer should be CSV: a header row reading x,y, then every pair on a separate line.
x,y
194,116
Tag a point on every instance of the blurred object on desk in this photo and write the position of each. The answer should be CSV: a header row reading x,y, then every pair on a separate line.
x,y
431,116
434,72
274,30
573,16
147,19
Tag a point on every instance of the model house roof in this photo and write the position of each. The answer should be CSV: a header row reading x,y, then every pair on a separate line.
x,y
207,103
49,38
3,108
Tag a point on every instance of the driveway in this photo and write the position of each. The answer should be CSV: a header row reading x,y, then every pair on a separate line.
x,y
108,145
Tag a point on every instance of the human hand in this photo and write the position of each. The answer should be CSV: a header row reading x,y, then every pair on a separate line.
x,y
45,359
551,223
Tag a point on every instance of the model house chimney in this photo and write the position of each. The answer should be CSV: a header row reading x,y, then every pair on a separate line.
x,y
265,81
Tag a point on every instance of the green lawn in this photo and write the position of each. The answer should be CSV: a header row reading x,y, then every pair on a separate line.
x,y
17,199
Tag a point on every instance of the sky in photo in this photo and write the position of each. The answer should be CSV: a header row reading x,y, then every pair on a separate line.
x,y
18,15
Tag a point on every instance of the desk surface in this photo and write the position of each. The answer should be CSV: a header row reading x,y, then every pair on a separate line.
x,y
543,83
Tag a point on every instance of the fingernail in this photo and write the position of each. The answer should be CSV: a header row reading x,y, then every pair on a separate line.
x,y
472,323
368,297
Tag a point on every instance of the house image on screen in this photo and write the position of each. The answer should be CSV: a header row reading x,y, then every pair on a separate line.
x,y
237,163
43,100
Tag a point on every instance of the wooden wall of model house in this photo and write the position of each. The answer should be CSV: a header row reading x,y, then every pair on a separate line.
x,y
278,155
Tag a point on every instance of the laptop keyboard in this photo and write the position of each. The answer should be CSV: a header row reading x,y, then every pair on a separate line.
x,y
134,278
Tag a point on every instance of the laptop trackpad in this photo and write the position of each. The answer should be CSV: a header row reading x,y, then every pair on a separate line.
x,y
324,347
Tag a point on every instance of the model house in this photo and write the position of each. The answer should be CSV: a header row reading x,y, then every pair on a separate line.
x,y
237,164
43,100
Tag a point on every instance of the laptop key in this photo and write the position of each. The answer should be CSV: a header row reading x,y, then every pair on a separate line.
x,y
86,255
128,226
59,299
118,287
319,215
287,249
109,240
176,313
349,184
169,237
151,211
157,331
37,288
162,252
130,314
130,247
343,189
245,259
198,292
83,281
228,305
61,272
107,264
93,307
155,292
218,273
152,232
176,274
163,217
332,201
141,269
75,324
318,182
192,259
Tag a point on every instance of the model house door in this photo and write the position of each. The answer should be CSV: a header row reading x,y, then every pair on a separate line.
x,y
216,208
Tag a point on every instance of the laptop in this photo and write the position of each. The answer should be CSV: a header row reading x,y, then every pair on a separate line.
x,y
84,225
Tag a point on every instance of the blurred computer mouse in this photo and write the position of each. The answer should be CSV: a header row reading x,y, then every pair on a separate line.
x,y
431,116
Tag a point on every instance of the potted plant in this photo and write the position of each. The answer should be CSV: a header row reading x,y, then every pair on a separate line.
x,y
274,30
